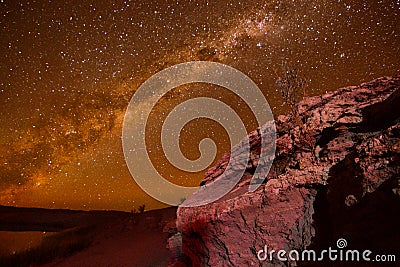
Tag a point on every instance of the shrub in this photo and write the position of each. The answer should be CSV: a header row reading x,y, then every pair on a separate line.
x,y
141,208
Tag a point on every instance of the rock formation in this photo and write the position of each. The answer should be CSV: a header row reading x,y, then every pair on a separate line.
x,y
335,175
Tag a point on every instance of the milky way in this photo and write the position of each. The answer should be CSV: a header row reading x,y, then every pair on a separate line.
x,y
69,69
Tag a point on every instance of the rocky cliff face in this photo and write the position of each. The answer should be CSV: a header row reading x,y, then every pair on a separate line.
x,y
335,175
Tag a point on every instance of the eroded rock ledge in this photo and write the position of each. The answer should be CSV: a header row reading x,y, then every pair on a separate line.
x,y
335,175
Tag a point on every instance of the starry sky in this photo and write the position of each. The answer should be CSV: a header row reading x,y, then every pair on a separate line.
x,y
69,69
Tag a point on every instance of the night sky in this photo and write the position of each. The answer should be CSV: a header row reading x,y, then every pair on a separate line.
x,y
69,69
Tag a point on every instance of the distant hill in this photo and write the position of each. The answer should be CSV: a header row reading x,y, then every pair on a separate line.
x,y
51,220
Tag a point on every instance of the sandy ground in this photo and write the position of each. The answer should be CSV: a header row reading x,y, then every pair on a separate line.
x,y
138,241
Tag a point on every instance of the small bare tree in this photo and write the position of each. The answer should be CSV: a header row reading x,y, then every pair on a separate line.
x,y
291,83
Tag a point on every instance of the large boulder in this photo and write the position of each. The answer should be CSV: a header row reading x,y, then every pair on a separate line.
x,y
335,175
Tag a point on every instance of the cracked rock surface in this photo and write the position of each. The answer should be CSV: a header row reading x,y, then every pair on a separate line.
x,y
335,175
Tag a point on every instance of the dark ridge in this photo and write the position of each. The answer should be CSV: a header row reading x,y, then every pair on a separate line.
x,y
51,220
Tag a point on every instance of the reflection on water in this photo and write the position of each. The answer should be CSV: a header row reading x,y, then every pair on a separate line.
x,y
15,242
